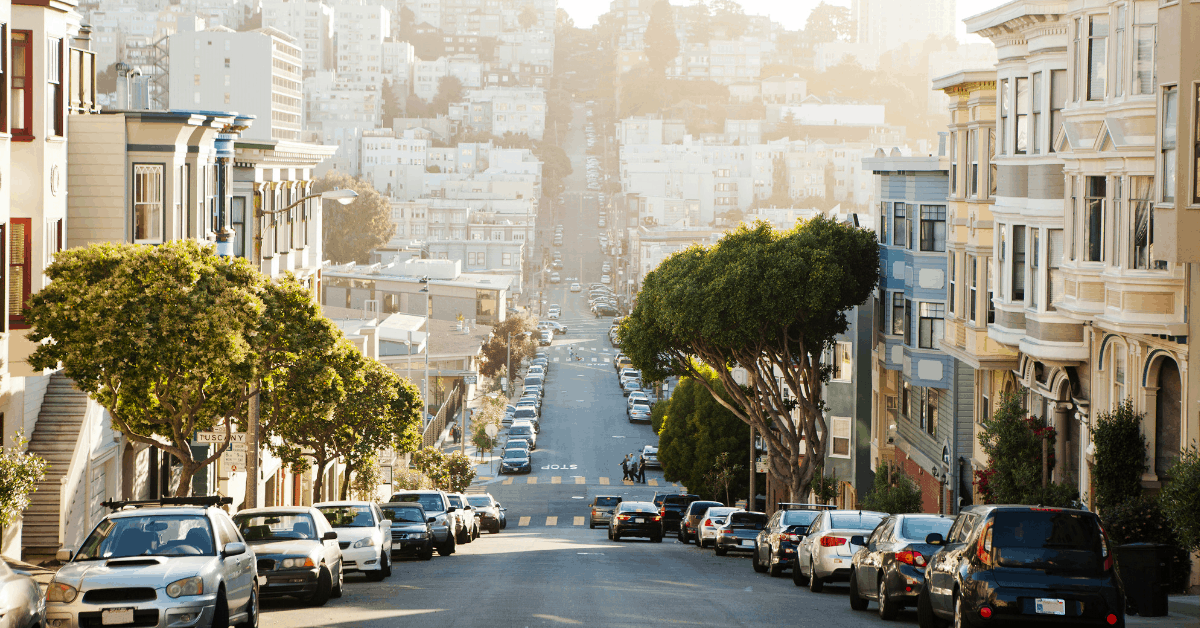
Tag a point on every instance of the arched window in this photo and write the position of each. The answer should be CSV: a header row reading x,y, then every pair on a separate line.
x,y
1116,374
1168,417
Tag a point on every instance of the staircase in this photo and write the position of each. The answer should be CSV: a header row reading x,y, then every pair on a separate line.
x,y
54,438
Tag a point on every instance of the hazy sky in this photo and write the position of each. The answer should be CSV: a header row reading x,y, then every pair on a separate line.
x,y
790,13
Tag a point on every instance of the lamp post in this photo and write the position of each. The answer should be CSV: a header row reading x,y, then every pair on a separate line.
x,y
252,427
428,337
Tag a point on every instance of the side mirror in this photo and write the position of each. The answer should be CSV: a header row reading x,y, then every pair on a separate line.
x,y
452,509
858,540
387,524
233,549
63,555
329,536
431,520
935,538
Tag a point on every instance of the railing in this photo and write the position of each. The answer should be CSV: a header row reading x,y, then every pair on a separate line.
x,y
446,413
82,72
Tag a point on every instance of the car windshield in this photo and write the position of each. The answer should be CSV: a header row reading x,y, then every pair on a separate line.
x,y
608,502
855,521
521,430
515,454
284,526
403,514
650,451
480,501
799,517
349,516
156,535
431,502
917,528
1064,539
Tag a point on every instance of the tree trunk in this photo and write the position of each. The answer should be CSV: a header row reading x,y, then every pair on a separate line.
x,y
184,487
345,491
318,478
252,452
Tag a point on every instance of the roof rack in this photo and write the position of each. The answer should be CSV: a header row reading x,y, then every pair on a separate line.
x,y
799,506
204,501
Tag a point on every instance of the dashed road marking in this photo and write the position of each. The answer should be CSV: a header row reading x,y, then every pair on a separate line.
x,y
531,480
507,481
604,481
579,479
578,521
556,479
652,482
523,522
551,521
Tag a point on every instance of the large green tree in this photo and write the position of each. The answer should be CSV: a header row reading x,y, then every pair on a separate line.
x,y
350,232
495,353
767,301
157,335
696,431
662,44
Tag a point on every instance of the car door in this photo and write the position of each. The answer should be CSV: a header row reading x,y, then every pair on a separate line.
x,y
945,563
385,530
769,537
237,571
332,550
867,571
814,531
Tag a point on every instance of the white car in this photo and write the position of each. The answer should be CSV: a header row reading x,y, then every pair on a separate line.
x,y
364,535
576,288
709,522
605,279
606,267
601,223
554,278
553,315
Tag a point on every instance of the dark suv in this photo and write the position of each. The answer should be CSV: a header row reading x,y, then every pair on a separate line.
x,y
1041,566
672,508
775,549
690,524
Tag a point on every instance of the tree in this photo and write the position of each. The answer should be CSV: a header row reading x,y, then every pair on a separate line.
x,y
1020,450
662,44
770,302
495,354
1181,501
20,472
431,462
1120,455
392,107
367,479
722,475
528,17
556,167
893,492
828,23
157,335
460,472
490,412
695,432
350,232
450,90
824,487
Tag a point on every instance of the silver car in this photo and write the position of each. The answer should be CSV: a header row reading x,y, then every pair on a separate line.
x,y
364,535
712,519
22,604
826,553
178,565
437,506
296,550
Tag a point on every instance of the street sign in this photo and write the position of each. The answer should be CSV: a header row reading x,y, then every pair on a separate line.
x,y
491,430
210,438
470,379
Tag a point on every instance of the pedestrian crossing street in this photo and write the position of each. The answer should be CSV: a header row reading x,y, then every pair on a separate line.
x,y
578,479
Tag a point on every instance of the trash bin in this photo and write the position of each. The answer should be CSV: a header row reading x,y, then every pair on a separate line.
x,y
1145,572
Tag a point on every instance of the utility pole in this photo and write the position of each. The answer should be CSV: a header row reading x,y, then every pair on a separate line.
x,y
753,472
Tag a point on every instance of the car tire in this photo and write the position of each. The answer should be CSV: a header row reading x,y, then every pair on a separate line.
x,y
252,613
447,548
857,601
757,564
385,569
616,536
425,554
774,569
221,611
496,528
324,588
887,610
960,619
925,615
815,583
718,550
798,578
657,539
336,591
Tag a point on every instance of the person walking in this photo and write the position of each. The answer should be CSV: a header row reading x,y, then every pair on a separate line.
x,y
625,469
641,469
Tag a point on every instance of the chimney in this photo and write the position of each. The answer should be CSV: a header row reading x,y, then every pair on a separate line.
x,y
123,85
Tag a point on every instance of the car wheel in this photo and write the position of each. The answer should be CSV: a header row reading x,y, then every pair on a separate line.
x,y
757,564
657,539
324,588
221,612
447,548
798,578
718,550
616,536
384,570
887,611
337,588
925,616
815,584
775,569
251,610
959,620
857,601
426,554
496,528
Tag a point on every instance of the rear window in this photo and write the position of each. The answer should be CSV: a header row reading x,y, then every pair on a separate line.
x,y
431,502
638,507
698,508
917,528
799,517
608,502
1063,539
525,411
520,430
751,520
854,521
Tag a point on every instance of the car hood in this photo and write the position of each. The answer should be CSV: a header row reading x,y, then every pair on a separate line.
x,y
289,548
409,527
147,571
351,535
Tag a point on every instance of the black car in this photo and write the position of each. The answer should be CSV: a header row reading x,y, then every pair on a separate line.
x,y
516,461
672,509
739,532
1036,565
776,547
690,524
636,519
890,568
411,535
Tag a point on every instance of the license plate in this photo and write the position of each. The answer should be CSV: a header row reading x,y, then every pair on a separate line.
x,y
747,543
116,616
1047,606
639,520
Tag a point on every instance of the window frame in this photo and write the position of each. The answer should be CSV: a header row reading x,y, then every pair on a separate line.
x,y
1117,78
1018,272
1035,112
931,324
23,133
1021,111
17,321
55,101
1097,58
4,86
161,202
972,267
897,307
1095,209
841,429
1058,102
900,226
1003,115
929,228
973,163
931,411
952,274
1169,146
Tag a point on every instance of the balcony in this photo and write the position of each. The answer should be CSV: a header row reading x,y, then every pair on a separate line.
x,y
82,96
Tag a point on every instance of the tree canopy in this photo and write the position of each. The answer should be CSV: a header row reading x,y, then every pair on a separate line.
x,y
662,44
695,432
495,353
1013,444
770,302
350,232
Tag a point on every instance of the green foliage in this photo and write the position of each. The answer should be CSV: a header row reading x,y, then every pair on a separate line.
x,y
495,353
722,474
662,44
158,335
460,472
1141,519
490,412
431,462
367,478
409,480
824,487
658,412
20,471
1181,500
695,432
893,492
1120,455
350,232
770,302
1013,444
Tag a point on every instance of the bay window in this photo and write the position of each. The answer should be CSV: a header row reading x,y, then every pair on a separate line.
x,y
933,227
1018,263
1035,241
897,313
1058,101
952,267
1170,119
55,122
21,100
148,202
1141,207
973,158
1145,36
1118,70
1097,57
932,323
1036,109
900,228
1000,128
1093,219
1022,121
973,282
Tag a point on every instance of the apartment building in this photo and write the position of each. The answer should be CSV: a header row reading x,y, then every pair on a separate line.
x,y
258,73
397,287
887,25
362,29
520,111
311,23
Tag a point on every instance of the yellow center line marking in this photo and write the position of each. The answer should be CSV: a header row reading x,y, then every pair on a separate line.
x,y
604,481
556,479
579,479
652,482
578,521
531,480
507,481
551,521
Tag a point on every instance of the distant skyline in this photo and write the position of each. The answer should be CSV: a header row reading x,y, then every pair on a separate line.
x,y
791,14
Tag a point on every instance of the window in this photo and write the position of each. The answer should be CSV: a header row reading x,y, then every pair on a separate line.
x,y
1118,69
973,159
953,163
1141,206
933,227
1097,57
237,222
1058,100
19,271
148,203
1170,118
1018,263
992,178
1145,35
1118,202
883,222
21,102
3,93
839,432
1116,357
1022,131
506,259
1003,115
1054,256
841,360
1093,219
932,322
897,313
989,287
973,281
953,268
1035,237
55,123
908,322
900,229
929,418
1076,57
1036,108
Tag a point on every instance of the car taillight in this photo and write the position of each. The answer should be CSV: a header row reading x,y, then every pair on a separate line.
x,y
623,517
984,548
657,518
708,522
832,541
662,512
1108,559
910,557
789,537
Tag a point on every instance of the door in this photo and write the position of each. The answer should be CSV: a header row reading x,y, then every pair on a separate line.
x,y
945,563
1168,411
237,570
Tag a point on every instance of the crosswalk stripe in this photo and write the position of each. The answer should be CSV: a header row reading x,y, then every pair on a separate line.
x,y
483,478
578,521
579,479
604,481
551,521
523,522
531,480
627,482
556,479
652,482
507,481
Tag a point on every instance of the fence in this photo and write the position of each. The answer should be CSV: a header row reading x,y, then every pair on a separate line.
x,y
448,412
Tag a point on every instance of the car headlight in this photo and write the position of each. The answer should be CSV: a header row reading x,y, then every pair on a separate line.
x,y
440,519
293,563
186,586
417,535
367,542
59,592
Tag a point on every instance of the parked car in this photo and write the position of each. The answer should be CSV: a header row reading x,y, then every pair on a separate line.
x,y
639,414
739,532
776,547
546,337
602,509
650,453
190,552
636,519
411,531
468,529
489,512
438,508
516,460
364,535
672,509
21,600
296,549
1029,564
826,551
706,531
576,287
525,414
890,569
629,385
523,430
690,523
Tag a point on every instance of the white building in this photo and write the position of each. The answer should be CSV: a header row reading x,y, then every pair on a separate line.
x,y
887,24
310,22
513,110
361,30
